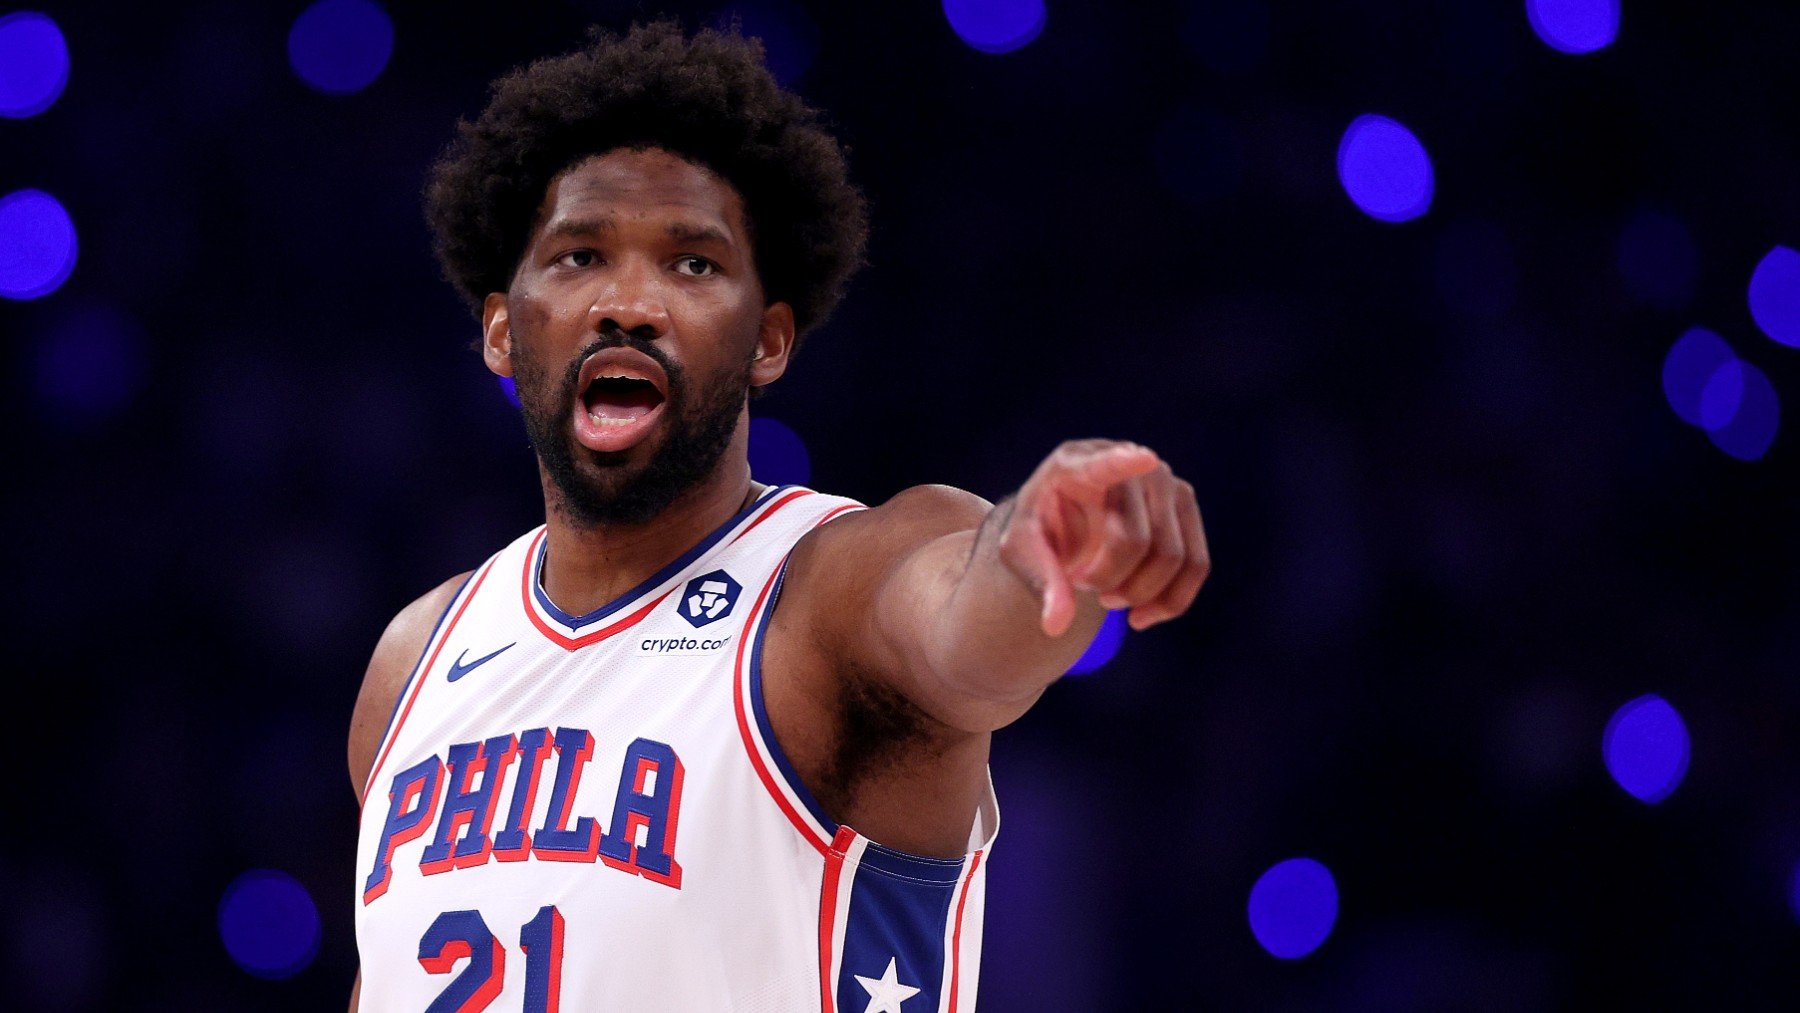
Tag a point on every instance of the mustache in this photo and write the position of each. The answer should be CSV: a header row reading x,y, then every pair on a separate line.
x,y
613,337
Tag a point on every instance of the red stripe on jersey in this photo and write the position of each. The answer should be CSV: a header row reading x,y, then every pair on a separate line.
x,y
424,672
956,933
783,501
568,643
843,509
743,720
834,870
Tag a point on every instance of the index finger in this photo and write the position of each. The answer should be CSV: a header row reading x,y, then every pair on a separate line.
x,y
1108,467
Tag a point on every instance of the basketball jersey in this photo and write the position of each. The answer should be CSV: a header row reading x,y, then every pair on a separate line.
x,y
592,813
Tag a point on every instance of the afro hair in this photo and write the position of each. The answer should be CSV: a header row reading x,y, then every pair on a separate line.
x,y
709,99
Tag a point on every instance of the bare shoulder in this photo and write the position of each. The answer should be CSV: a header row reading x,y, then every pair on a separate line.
x,y
395,655
867,752
884,534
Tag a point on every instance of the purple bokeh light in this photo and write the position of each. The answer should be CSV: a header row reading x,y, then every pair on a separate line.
x,y
269,924
1646,748
1574,26
1658,260
1384,169
37,244
341,46
995,26
1293,907
1740,410
1775,295
1105,644
1690,363
34,64
777,453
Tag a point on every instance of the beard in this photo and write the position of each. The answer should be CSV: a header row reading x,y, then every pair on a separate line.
x,y
605,488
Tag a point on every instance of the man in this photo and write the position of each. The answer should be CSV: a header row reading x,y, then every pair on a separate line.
x,y
603,769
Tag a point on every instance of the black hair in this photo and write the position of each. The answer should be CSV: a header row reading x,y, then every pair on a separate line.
x,y
708,98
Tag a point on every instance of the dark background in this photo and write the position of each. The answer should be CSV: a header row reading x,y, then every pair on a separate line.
x,y
1455,523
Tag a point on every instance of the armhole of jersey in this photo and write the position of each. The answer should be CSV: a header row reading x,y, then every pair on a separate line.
x,y
465,593
768,759
774,768
884,914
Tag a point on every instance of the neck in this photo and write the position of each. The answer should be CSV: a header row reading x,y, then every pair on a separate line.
x,y
586,567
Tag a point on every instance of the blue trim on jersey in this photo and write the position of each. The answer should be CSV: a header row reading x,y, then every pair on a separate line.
x,y
900,863
394,712
899,905
681,562
761,713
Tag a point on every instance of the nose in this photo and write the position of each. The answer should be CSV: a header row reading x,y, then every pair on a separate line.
x,y
631,302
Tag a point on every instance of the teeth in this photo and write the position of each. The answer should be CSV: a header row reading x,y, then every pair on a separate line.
x,y
602,420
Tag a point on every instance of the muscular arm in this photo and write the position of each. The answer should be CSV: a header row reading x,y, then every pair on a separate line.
x,y
970,612
395,655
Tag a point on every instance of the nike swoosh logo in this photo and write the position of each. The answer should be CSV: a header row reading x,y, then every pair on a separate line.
x,y
458,669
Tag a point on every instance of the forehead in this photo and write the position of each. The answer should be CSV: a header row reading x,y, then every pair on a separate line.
x,y
642,184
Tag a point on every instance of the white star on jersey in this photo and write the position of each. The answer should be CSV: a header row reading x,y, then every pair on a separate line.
x,y
886,993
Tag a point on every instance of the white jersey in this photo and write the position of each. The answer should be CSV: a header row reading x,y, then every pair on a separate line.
x,y
591,813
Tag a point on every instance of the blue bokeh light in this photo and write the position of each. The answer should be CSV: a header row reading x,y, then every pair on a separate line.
x,y
1723,394
1105,644
1646,748
341,46
34,64
777,453
1775,295
1293,907
509,388
1692,361
1740,410
790,38
90,364
1658,260
37,244
995,26
1574,26
269,924
1385,169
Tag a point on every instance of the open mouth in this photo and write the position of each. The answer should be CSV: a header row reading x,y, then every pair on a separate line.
x,y
622,395
620,400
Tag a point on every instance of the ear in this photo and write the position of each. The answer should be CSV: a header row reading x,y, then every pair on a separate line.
x,y
496,334
774,342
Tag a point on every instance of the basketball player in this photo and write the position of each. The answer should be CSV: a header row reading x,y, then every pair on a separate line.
x,y
699,743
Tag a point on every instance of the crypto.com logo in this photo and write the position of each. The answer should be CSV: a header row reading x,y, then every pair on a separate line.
x,y
709,598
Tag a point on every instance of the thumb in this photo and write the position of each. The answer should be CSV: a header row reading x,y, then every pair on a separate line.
x,y
1038,559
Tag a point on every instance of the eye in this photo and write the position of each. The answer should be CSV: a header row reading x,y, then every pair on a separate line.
x,y
567,258
701,267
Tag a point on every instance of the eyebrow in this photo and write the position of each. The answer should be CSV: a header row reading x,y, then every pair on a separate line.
x,y
685,232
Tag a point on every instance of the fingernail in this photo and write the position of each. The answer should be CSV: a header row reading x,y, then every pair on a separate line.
x,y
1112,601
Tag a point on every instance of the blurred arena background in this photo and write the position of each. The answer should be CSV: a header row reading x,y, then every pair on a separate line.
x,y
1472,323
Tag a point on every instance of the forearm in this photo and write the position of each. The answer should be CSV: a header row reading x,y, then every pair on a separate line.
x,y
976,618
987,636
